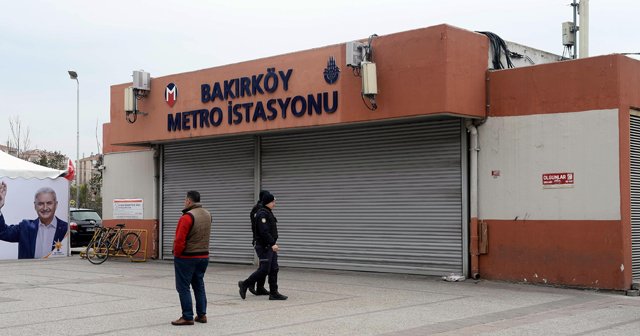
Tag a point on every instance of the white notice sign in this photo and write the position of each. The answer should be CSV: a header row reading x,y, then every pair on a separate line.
x,y
128,208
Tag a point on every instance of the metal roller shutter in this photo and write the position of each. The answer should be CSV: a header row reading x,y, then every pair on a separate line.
x,y
376,198
222,171
635,195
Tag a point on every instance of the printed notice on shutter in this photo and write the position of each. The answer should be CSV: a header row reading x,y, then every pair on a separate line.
x,y
128,208
557,180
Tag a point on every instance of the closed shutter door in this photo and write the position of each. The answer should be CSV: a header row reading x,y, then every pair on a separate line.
x,y
635,196
377,198
222,171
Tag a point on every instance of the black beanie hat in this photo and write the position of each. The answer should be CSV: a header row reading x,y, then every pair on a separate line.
x,y
266,197
262,192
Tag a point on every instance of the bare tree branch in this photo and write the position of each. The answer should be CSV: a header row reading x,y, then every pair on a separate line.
x,y
19,138
97,139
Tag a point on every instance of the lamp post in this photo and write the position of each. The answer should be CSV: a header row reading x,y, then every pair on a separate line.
x,y
74,75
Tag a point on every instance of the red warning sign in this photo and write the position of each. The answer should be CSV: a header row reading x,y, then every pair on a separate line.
x,y
557,179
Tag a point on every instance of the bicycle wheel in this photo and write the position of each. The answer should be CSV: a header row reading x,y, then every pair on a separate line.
x,y
131,243
98,252
87,248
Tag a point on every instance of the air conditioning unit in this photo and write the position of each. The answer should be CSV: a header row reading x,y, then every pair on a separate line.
x,y
129,100
142,80
354,54
369,80
568,34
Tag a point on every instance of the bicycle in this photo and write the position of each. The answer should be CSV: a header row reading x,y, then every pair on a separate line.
x,y
97,250
110,241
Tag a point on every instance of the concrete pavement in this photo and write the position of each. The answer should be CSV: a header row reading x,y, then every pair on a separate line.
x,y
70,296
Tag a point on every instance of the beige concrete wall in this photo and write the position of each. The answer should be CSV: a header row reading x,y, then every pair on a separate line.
x,y
129,175
522,148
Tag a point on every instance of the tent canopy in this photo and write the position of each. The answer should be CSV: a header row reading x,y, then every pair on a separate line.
x,y
12,167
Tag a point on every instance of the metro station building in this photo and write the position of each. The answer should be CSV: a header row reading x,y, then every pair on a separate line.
x,y
529,174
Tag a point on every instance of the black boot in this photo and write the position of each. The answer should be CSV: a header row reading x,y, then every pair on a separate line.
x,y
275,295
261,291
243,289
252,290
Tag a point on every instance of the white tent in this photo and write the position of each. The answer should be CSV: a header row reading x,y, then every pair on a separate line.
x,y
12,167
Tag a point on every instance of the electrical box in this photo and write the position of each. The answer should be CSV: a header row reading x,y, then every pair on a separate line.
x,y
142,80
369,80
129,100
568,33
354,53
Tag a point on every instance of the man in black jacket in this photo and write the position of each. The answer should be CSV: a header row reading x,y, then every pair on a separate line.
x,y
259,290
266,236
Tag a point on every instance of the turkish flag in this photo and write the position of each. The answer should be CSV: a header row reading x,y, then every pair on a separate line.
x,y
71,171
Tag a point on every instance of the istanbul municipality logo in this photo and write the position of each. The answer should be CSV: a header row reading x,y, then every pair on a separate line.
x,y
171,94
331,72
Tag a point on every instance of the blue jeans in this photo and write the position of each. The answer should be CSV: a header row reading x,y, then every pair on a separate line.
x,y
190,271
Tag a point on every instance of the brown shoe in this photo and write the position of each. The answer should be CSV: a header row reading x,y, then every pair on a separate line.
x,y
201,319
181,321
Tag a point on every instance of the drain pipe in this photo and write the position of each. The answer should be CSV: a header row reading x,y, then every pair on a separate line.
x,y
473,181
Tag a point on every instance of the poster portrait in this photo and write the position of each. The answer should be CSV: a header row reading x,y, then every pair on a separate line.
x,y
24,231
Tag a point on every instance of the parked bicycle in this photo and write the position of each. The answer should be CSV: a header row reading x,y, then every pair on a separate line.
x,y
111,241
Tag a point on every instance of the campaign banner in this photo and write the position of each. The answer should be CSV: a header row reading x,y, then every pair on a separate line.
x,y
34,220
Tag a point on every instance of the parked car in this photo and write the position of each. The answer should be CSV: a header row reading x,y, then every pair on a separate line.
x,y
82,224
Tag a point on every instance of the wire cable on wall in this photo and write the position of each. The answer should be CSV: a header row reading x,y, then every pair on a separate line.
x,y
498,46
368,56
131,119
366,50
514,54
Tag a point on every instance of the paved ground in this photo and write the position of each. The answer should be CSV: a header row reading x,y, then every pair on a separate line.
x,y
70,296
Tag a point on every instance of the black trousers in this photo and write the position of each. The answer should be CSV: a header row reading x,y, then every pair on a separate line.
x,y
268,267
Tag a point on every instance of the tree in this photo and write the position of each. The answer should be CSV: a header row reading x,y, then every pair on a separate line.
x,y
55,160
42,160
19,137
95,186
91,194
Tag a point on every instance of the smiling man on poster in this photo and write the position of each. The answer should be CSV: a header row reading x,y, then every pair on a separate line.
x,y
36,238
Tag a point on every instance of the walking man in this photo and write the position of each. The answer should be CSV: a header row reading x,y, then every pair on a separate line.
x,y
266,233
191,258
259,289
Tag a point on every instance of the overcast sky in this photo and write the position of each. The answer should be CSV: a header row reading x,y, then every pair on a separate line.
x,y
104,41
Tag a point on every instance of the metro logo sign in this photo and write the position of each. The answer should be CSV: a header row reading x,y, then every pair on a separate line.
x,y
557,179
171,94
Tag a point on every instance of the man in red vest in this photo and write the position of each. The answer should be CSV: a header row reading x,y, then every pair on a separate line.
x,y
191,258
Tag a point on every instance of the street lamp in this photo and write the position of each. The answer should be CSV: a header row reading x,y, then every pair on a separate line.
x,y
74,75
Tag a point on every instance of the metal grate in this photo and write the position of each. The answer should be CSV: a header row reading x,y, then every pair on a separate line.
x,y
222,171
381,198
635,195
